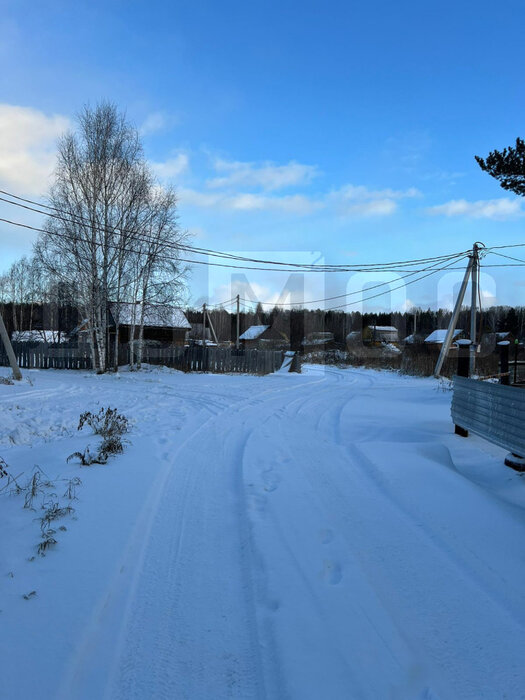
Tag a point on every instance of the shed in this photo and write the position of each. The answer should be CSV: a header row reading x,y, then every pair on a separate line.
x,y
437,337
319,340
382,334
263,337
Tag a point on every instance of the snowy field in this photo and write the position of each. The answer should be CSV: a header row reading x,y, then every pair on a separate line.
x,y
320,536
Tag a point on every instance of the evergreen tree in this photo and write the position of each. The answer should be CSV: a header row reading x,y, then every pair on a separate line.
x,y
507,166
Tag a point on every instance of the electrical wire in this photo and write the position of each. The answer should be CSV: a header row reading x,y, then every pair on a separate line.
x,y
78,219
509,257
374,296
98,244
348,294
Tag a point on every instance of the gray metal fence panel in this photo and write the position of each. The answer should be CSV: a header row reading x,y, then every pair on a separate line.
x,y
493,411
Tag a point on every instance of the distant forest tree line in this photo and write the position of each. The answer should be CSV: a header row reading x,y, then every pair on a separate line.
x,y
297,324
28,305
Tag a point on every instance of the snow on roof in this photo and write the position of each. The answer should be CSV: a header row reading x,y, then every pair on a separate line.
x,y
438,336
383,328
154,316
253,332
38,336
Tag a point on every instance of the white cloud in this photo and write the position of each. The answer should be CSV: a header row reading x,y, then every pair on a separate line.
x,y
158,121
28,148
498,209
267,176
358,200
155,121
172,167
350,200
294,204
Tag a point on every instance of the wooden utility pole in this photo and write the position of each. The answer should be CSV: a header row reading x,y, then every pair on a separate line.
x,y
474,280
17,374
212,328
471,272
238,320
204,325
454,319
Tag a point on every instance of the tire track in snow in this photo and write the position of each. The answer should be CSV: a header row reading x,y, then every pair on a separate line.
x,y
361,498
157,587
280,534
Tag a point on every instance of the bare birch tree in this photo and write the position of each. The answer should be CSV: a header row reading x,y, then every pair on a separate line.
x,y
105,203
157,272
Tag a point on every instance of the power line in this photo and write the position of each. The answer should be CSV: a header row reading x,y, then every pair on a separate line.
x,y
433,270
229,302
66,217
509,245
348,294
393,289
115,246
509,257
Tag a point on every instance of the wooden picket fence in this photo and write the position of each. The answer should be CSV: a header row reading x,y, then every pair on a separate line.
x,y
187,359
215,360
43,357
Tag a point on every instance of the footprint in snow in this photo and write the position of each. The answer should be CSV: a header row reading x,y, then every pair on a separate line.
x,y
332,573
326,535
271,480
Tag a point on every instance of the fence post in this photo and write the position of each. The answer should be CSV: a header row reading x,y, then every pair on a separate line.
x,y
463,371
504,347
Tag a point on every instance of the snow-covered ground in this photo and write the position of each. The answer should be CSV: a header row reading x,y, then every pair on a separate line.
x,y
322,536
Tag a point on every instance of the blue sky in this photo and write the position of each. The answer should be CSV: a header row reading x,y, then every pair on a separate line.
x,y
340,129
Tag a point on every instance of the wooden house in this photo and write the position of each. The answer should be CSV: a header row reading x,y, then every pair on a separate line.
x,y
167,325
381,334
436,339
263,337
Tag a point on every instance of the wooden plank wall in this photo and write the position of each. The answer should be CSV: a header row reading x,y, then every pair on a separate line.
x,y
190,359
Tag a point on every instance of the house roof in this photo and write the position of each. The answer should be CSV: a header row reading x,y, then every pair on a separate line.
x,y
438,336
390,329
156,316
253,332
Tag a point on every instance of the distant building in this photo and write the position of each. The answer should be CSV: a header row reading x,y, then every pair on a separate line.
x,y
381,334
195,334
353,338
489,341
319,340
166,324
263,337
413,339
437,337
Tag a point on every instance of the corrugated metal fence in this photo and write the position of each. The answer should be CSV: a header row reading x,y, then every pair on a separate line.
x,y
493,411
197,359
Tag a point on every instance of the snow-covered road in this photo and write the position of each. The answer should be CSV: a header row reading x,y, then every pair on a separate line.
x,y
323,535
